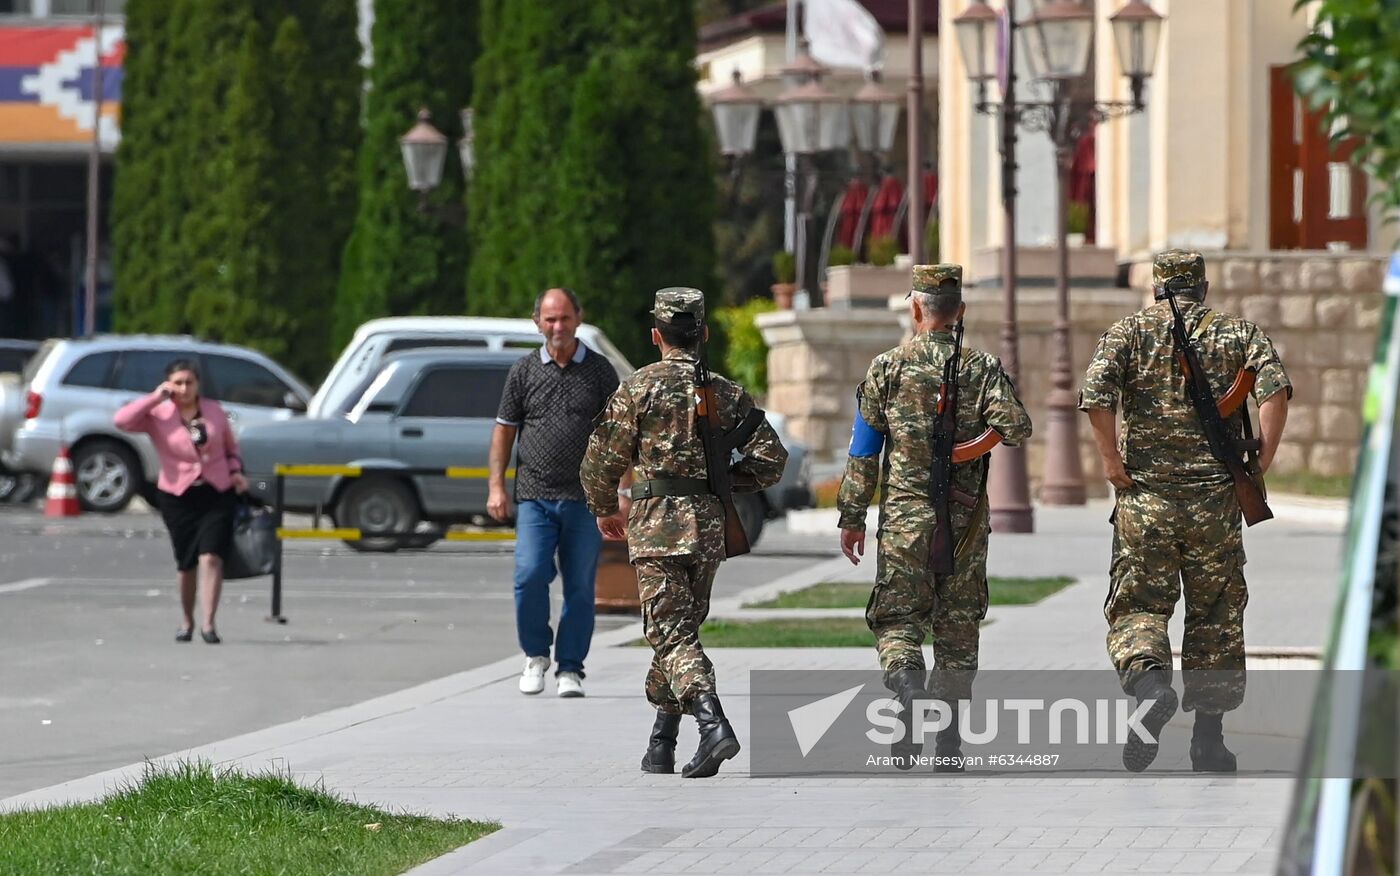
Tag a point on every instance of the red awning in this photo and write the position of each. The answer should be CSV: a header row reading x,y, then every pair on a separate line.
x,y
882,213
852,203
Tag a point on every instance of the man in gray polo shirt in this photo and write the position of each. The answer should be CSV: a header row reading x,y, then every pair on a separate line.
x,y
550,401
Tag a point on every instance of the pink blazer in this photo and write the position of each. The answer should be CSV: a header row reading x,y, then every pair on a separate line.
x,y
181,463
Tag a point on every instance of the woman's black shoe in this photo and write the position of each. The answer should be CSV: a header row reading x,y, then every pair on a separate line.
x,y
184,635
210,636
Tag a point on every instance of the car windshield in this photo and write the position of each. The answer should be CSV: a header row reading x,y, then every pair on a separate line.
x,y
31,368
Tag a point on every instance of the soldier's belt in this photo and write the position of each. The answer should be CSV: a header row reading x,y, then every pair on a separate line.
x,y
670,487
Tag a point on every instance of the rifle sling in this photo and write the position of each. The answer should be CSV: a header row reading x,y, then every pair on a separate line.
x,y
1206,320
978,513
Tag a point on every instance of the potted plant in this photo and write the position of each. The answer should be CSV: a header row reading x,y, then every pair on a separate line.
x,y
1077,222
785,273
840,255
882,251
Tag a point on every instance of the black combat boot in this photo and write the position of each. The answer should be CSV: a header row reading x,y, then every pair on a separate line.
x,y
908,686
1208,751
661,749
717,740
1138,753
948,745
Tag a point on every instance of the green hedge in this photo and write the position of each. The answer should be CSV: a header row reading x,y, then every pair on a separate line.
x,y
746,354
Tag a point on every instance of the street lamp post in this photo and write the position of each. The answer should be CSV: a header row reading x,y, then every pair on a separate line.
x,y
874,122
736,112
424,149
1008,484
811,119
1059,37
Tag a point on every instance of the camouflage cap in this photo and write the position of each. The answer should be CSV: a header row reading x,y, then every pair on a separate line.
x,y
1178,269
679,299
936,280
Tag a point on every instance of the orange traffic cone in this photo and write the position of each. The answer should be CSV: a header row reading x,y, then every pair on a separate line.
x,y
62,499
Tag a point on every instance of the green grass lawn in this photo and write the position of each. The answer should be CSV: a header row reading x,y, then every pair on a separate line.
x,y
834,632
1308,484
194,818
855,594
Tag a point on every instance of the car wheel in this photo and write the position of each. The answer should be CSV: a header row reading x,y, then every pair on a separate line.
x,y
427,535
752,513
377,505
107,474
27,486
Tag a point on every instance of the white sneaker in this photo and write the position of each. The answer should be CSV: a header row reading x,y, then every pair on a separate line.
x,y
532,678
570,685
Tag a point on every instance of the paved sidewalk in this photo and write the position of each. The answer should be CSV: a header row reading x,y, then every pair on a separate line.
x,y
562,776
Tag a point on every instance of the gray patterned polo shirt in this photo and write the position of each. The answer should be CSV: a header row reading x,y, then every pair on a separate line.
x,y
553,408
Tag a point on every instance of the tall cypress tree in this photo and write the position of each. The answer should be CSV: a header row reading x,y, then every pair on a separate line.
x,y
594,171
226,244
400,260
146,193
533,52
636,178
234,190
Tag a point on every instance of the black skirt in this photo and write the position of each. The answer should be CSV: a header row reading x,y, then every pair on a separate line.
x,y
200,521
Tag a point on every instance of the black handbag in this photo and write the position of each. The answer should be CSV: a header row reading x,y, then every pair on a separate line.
x,y
253,548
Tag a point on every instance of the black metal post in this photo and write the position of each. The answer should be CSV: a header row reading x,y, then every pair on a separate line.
x,y
94,180
280,497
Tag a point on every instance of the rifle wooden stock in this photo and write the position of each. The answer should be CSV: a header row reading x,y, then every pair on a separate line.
x,y
976,447
1252,503
1237,393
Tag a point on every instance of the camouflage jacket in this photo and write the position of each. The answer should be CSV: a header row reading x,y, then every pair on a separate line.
x,y
898,398
649,425
1163,443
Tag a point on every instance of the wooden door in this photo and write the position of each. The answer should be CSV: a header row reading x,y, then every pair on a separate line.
x,y
1316,196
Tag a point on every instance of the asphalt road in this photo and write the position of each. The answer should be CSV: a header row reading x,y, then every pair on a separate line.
x,y
91,677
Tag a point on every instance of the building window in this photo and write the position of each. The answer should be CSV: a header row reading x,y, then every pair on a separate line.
x,y
15,7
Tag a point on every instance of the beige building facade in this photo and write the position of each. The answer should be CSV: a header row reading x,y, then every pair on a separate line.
x,y
1201,167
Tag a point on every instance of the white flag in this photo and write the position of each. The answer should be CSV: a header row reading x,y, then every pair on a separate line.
x,y
843,33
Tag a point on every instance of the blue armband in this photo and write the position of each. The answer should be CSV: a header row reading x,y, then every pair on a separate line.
x,y
865,441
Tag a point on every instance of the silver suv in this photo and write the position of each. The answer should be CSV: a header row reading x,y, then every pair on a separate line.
x,y
70,390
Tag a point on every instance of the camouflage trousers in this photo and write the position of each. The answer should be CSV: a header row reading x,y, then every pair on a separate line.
x,y
909,602
1163,545
675,594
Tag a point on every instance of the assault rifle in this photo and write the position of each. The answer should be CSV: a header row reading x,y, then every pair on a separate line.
x,y
719,449
1225,447
945,429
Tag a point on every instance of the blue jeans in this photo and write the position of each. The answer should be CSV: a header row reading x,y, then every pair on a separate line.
x,y
543,528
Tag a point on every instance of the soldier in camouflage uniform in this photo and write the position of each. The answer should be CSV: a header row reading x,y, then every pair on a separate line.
x,y
896,411
675,533
1176,523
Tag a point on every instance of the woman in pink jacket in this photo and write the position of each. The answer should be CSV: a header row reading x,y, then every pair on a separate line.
x,y
200,469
